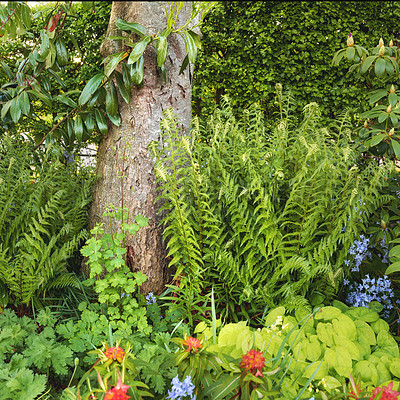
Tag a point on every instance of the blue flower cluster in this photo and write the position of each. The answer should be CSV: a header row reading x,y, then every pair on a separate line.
x,y
371,289
150,298
180,389
359,250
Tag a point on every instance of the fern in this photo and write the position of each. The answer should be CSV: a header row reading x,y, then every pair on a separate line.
x,y
267,216
42,219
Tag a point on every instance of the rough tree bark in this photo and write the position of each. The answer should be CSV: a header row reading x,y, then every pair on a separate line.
x,y
124,149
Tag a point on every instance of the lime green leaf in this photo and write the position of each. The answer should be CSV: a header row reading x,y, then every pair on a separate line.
x,y
367,371
395,267
327,313
162,46
131,27
362,313
90,88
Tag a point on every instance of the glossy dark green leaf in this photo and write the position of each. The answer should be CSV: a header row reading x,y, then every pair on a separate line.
x,y
7,70
57,78
90,88
24,103
396,148
376,96
114,61
112,99
367,63
15,109
350,53
5,108
196,38
184,64
89,120
126,75
131,27
115,119
380,67
383,116
377,139
41,97
45,45
78,127
62,54
26,15
125,93
137,71
99,97
191,48
101,121
138,50
394,119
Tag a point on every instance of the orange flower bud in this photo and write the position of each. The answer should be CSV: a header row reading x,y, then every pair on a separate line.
x,y
350,40
366,124
389,109
381,42
381,51
391,43
392,89
391,132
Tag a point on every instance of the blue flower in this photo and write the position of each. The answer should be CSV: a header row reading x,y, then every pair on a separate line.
x,y
151,299
180,389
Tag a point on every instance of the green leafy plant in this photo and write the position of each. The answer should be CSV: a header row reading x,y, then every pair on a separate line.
x,y
292,356
30,356
43,213
267,216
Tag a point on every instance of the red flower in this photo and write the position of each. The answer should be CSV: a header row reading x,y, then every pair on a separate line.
x,y
388,393
115,353
192,343
118,392
253,361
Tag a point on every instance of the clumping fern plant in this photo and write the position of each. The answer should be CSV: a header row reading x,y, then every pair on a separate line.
x,y
43,213
265,216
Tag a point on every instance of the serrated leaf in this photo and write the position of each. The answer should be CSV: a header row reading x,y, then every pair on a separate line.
x,y
131,27
90,88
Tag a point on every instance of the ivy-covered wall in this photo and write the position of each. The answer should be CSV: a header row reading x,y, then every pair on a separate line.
x,y
249,46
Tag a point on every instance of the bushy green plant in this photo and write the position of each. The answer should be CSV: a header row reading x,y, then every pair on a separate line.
x,y
292,356
43,214
266,216
30,355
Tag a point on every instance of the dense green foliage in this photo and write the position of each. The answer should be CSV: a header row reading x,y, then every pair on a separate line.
x,y
249,46
43,216
267,216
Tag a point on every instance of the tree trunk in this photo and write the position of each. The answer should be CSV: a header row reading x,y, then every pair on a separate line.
x,y
126,173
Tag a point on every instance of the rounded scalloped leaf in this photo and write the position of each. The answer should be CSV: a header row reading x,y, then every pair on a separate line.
x,y
395,367
331,383
328,313
313,348
244,340
273,315
339,359
387,343
363,313
363,347
296,337
365,332
341,306
379,326
350,346
305,320
383,372
344,326
367,371
323,369
324,333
